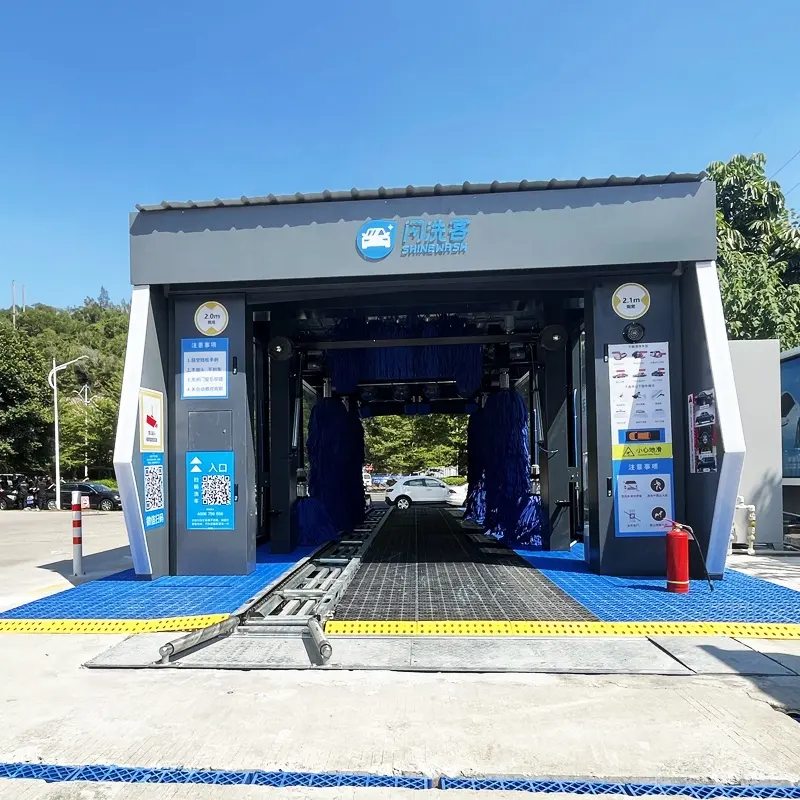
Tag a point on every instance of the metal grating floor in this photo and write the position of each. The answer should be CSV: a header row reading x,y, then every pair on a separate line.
x,y
422,566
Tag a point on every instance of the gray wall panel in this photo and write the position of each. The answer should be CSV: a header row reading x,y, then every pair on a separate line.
x,y
701,488
573,227
608,553
214,552
154,376
756,367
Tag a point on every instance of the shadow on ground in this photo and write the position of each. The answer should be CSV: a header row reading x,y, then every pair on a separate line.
x,y
95,566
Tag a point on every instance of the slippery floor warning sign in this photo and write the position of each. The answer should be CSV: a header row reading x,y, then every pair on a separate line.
x,y
641,430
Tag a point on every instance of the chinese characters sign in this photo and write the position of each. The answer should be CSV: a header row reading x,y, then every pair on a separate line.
x,y
641,436
435,237
439,236
205,368
210,491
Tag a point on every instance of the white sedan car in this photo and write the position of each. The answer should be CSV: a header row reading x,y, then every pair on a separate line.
x,y
457,496
416,489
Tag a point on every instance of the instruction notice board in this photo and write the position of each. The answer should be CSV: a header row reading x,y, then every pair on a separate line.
x,y
641,436
210,491
204,369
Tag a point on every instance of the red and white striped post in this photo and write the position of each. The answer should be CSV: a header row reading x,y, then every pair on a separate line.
x,y
77,535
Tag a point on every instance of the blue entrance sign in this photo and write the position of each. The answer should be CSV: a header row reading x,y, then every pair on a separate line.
x,y
209,491
435,237
154,505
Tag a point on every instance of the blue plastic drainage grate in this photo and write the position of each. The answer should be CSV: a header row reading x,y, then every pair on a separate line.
x,y
737,598
55,773
322,780
52,773
698,791
123,596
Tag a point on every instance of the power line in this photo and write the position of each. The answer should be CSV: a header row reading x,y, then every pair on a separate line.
x,y
786,194
785,164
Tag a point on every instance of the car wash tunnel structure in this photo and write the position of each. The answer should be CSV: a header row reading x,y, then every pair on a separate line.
x,y
569,320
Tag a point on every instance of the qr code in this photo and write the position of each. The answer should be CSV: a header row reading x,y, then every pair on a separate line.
x,y
154,487
216,490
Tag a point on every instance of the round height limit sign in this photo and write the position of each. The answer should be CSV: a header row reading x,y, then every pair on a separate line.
x,y
211,318
631,301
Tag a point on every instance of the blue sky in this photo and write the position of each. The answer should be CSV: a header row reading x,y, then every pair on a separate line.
x,y
108,104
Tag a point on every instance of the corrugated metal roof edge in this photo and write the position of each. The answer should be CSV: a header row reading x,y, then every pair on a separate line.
x,y
466,188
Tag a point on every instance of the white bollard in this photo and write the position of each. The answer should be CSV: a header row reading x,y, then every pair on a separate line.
x,y
77,536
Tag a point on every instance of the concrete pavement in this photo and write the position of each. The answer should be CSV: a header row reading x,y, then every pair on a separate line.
x,y
667,728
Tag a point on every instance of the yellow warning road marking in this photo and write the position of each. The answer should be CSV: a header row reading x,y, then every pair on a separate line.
x,y
489,628
109,625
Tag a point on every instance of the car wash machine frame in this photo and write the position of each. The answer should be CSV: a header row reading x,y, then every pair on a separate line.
x,y
228,329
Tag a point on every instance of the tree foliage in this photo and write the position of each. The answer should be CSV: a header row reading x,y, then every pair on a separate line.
x,y
25,412
758,252
96,329
410,444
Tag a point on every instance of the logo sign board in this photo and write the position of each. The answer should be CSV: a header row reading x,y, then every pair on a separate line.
x,y
631,301
375,239
154,504
209,491
205,369
211,318
440,236
641,431
151,421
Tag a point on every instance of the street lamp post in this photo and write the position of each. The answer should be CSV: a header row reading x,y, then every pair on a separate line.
x,y
52,380
83,393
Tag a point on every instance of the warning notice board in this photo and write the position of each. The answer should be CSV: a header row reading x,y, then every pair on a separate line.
x,y
641,430
151,421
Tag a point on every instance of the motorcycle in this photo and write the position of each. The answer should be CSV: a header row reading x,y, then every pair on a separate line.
x,y
30,502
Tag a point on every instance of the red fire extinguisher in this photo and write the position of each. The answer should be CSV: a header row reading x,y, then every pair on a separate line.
x,y
678,559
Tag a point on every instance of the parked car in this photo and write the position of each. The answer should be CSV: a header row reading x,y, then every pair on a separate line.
x,y
415,489
457,495
8,497
99,496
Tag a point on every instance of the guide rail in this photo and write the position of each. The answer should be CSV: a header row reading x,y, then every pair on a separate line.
x,y
298,603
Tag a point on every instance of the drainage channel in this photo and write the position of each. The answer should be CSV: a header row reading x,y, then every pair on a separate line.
x,y
300,602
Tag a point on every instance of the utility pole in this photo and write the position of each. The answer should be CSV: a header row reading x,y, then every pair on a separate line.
x,y
14,304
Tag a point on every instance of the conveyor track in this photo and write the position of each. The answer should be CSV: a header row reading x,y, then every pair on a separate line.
x,y
298,603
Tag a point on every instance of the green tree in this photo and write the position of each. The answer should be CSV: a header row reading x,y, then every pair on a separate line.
x,y
758,252
97,329
411,444
25,415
